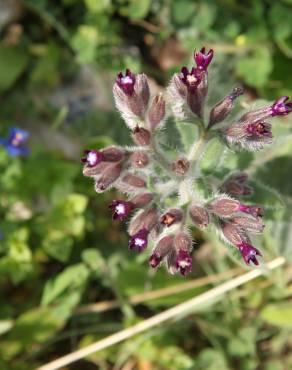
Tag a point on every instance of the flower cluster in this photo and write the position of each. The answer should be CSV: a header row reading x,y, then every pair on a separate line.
x,y
15,144
161,196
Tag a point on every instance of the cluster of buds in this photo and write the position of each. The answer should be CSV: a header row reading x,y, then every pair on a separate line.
x,y
159,192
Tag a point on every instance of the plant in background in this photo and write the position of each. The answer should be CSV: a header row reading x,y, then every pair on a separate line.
x,y
165,194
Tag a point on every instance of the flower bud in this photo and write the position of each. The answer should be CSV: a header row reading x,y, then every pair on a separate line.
x,y
224,207
233,233
182,241
163,247
142,89
249,224
134,181
142,200
222,109
235,185
141,136
95,171
157,111
180,166
110,174
139,159
172,216
199,216
150,219
112,154
139,241
146,219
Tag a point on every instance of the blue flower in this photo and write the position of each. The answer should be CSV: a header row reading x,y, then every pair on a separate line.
x,y
16,142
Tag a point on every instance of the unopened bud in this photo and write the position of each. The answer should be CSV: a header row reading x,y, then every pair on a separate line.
x,y
171,217
142,89
146,219
150,219
141,136
134,181
180,166
157,111
224,207
108,176
222,109
163,247
112,154
236,186
199,216
182,241
249,224
232,233
142,200
95,171
139,159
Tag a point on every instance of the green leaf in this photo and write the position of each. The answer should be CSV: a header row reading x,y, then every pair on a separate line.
x,y
13,62
93,259
85,43
138,8
266,195
75,203
188,134
72,279
212,155
33,328
182,10
278,314
255,68
280,19
97,5
58,245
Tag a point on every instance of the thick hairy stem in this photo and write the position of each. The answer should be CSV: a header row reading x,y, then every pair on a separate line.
x,y
198,147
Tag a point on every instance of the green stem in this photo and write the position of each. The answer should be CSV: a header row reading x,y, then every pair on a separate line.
x,y
159,157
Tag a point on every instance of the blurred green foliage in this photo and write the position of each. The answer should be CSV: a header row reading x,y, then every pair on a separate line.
x,y
60,249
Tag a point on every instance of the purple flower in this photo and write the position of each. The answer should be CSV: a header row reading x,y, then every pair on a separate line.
x,y
203,58
190,78
126,82
281,107
249,253
93,157
259,129
155,260
184,262
139,241
16,142
255,211
121,209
